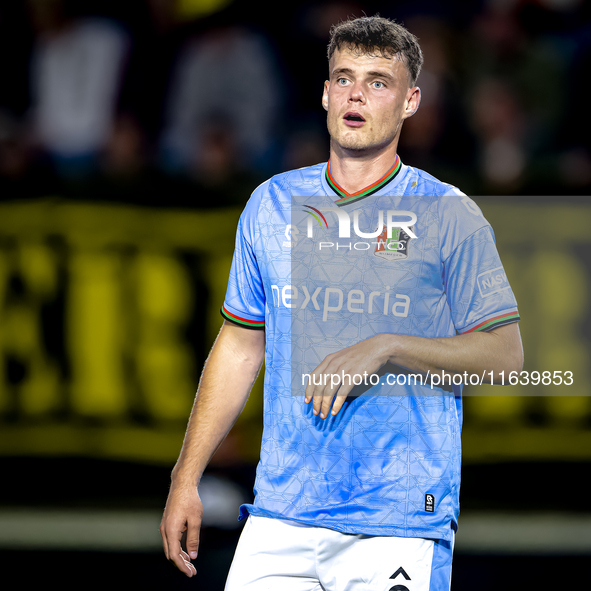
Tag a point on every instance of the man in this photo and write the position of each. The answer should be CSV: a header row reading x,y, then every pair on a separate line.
x,y
358,483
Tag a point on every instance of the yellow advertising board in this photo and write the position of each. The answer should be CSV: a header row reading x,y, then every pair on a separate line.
x,y
107,313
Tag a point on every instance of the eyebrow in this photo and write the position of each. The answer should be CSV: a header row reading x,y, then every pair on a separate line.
x,y
350,72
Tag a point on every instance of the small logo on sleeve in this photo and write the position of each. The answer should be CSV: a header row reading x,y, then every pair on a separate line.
x,y
492,281
429,503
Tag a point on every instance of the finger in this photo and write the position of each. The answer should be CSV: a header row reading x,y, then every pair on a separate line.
x,y
338,404
183,563
322,405
191,570
325,406
311,389
317,377
339,394
173,536
187,568
164,540
164,544
324,397
193,539
317,403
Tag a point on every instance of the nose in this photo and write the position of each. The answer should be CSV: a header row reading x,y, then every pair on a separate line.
x,y
356,93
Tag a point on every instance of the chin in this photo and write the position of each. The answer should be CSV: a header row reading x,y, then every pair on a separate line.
x,y
360,147
353,143
354,147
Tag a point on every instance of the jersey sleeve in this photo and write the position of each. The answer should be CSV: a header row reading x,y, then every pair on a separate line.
x,y
245,296
476,285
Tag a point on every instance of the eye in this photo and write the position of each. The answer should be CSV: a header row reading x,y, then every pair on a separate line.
x,y
342,81
378,84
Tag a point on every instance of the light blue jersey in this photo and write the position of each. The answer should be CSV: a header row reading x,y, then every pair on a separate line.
x,y
321,270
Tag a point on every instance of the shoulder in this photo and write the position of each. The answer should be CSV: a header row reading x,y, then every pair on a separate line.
x,y
267,197
420,182
287,184
451,201
301,179
458,216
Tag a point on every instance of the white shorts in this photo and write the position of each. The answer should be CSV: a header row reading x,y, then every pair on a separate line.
x,y
281,555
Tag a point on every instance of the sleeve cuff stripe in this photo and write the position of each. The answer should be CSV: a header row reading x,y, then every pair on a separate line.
x,y
242,321
495,322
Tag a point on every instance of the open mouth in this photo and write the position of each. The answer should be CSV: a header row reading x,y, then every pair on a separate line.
x,y
354,117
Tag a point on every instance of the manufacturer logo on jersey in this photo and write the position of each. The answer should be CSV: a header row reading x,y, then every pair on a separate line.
x,y
492,281
429,503
395,246
291,236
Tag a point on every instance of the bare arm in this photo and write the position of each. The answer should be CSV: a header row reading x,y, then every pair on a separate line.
x,y
498,350
228,376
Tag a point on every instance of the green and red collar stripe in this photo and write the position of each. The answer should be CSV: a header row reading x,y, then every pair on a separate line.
x,y
348,198
495,322
257,324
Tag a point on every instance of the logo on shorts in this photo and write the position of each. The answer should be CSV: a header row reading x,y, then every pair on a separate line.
x,y
429,503
402,572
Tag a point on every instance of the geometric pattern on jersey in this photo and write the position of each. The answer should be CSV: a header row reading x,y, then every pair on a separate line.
x,y
369,469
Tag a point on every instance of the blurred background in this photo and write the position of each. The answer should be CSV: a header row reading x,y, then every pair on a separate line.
x,y
131,135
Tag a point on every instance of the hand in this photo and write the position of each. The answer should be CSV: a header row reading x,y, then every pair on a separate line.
x,y
364,359
183,513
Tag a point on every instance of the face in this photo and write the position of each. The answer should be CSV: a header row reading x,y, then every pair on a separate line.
x,y
367,99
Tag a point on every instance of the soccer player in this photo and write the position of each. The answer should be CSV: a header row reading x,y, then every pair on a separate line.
x,y
364,283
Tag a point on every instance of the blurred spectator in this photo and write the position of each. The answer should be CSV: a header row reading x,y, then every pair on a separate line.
x,y
499,121
76,71
157,37
216,175
124,153
227,74
503,105
15,181
304,40
124,171
437,138
575,169
516,66
15,48
305,146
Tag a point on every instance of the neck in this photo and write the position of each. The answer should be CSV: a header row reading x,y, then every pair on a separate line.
x,y
353,171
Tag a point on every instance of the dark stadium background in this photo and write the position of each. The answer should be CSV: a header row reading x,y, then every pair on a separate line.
x,y
116,234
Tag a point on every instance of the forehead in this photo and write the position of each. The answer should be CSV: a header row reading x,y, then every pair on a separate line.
x,y
363,63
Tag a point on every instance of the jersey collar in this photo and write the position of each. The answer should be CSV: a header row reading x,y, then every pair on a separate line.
x,y
348,198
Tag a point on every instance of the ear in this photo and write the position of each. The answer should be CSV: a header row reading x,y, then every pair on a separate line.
x,y
413,100
325,95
